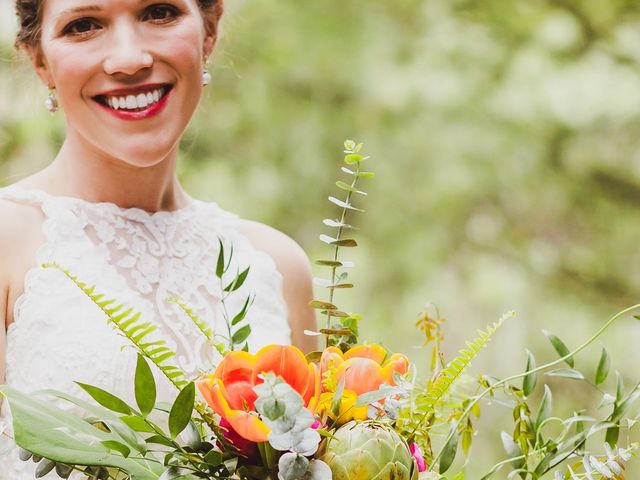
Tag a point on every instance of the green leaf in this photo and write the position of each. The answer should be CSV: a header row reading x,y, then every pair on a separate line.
x,y
191,435
544,411
213,458
375,395
238,281
566,373
313,357
345,205
160,440
345,242
182,410
117,446
220,262
449,450
145,387
106,399
243,313
619,387
328,263
137,424
559,346
63,437
366,174
241,335
345,186
603,367
530,380
353,158
44,467
337,398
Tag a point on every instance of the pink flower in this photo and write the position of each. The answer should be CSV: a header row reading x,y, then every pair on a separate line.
x,y
418,454
316,425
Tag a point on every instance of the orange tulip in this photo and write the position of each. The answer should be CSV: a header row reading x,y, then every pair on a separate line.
x,y
364,368
229,389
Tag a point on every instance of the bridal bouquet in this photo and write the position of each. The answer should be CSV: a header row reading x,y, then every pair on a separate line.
x,y
352,411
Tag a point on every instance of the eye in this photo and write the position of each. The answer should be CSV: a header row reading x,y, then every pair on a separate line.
x,y
161,13
82,26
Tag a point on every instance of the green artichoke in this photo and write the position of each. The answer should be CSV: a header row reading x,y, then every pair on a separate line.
x,y
368,451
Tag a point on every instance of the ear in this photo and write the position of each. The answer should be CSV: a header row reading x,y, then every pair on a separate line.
x,y
211,35
36,55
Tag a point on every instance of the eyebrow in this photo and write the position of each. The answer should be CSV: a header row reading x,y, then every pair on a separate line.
x,y
87,8
81,9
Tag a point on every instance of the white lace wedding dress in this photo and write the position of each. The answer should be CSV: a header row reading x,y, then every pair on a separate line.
x,y
60,336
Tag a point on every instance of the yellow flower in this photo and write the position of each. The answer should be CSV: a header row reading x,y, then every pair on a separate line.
x,y
347,412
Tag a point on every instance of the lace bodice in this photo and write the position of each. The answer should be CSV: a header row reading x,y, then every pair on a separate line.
x,y
59,335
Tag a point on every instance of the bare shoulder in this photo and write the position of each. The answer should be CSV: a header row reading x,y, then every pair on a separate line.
x,y
20,237
293,264
288,255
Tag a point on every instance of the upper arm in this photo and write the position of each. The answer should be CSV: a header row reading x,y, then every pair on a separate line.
x,y
20,236
292,262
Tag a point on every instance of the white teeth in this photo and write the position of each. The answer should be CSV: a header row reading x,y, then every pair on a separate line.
x,y
132,102
141,100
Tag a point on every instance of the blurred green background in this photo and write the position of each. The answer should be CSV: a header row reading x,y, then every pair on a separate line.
x,y
505,136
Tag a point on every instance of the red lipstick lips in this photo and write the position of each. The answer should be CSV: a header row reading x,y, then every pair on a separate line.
x,y
152,109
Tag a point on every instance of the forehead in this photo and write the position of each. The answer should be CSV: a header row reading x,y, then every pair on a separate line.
x,y
56,8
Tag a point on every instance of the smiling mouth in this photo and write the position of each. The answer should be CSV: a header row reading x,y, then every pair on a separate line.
x,y
134,103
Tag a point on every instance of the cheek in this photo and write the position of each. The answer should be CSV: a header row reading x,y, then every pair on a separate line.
x,y
68,70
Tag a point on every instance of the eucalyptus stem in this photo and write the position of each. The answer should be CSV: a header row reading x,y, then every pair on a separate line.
x,y
337,247
491,388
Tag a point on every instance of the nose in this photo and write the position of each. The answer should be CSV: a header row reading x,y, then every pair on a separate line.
x,y
126,52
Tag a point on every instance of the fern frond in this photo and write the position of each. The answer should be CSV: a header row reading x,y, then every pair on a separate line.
x,y
441,386
127,321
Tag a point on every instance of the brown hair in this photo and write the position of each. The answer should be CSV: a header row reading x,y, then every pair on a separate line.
x,y
29,14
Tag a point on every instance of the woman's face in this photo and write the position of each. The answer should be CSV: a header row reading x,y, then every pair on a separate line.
x,y
127,73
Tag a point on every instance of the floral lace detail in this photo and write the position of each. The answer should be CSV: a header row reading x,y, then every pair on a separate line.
x,y
59,336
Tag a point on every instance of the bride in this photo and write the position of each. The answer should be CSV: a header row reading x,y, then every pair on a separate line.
x,y
128,76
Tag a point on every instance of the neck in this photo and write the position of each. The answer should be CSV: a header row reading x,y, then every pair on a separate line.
x,y
95,177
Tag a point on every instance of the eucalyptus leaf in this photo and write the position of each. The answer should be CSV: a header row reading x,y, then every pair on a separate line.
x,y
350,188
182,410
353,158
292,466
318,304
145,387
343,204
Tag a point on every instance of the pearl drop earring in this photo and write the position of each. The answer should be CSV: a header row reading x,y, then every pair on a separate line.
x,y
206,77
51,102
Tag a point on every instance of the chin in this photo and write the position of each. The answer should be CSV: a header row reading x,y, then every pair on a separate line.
x,y
144,156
